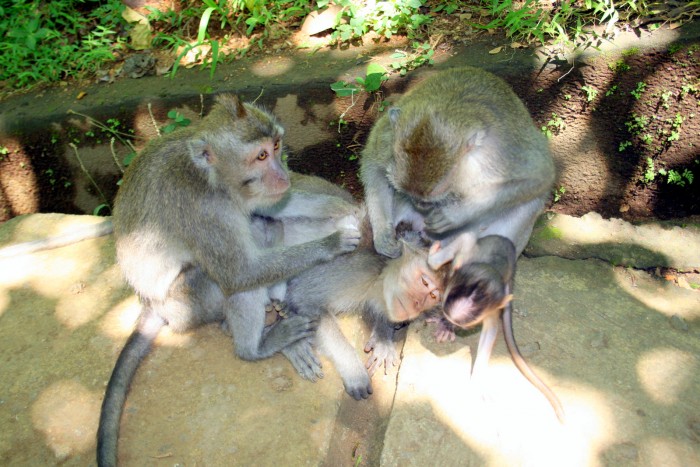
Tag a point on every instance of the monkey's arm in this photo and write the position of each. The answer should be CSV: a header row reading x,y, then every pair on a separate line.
x,y
241,265
483,198
380,198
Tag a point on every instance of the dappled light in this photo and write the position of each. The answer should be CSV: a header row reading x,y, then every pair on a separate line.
x,y
507,421
66,414
662,296
665,374
267,67
18,188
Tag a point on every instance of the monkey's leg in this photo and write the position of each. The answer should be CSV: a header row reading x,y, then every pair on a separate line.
x,y
489,331
245,316
336,347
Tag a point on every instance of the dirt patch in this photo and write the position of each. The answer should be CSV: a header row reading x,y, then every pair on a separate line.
x,y
623,127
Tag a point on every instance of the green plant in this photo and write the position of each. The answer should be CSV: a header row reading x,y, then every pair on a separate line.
x,y
624,145
673,177
650,172
50,41
558,193
637,124
371,83
554,126
639,90
384,18
675,128
178,121
665,96
590,92
404,62
611,91
619,66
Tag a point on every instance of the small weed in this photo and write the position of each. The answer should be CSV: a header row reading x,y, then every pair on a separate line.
x,y
665,97
650,172
567,97
624,145
619,66
639,90
404,62
632,51
637,124
673,177
558,193
673,48
611,91
590,92
554,126
178,121
3,152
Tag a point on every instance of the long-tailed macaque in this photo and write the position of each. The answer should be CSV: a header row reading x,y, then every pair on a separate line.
x,y
480,291
57,241
388,290
459,158
185,241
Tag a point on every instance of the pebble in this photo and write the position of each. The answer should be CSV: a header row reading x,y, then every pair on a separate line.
x,y
678,323
529,349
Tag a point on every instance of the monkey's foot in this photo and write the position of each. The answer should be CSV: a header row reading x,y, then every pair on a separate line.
x,y
359,386
303,358
274,311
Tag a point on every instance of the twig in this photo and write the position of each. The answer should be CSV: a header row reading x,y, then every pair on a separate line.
x,y
114,155
259,95
92,180
155,125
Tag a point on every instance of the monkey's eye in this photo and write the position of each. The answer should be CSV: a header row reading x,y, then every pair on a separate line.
x,y
277,145
424,281
263,155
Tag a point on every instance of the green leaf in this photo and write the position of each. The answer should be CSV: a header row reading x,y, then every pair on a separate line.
x,y
343,89
203,23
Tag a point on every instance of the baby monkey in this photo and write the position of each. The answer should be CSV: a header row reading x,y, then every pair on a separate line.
x,y
388,290
476,293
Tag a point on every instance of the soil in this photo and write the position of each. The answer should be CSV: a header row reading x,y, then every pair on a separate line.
x,y
604,137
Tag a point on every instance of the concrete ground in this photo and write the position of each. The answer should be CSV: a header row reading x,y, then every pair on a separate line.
x,y
619,345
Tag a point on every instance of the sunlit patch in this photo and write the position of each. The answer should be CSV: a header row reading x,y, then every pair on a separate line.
x,y
665,374
121,319
664,298
267,67
504,419
67,415
667,452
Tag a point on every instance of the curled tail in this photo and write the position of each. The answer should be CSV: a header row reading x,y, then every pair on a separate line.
x,y
136,348
524,367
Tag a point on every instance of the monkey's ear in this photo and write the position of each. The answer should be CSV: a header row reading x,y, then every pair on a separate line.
x,y
232,104
201,153
394,114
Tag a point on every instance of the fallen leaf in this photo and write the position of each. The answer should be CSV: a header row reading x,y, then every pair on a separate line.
x,y
517,45
624,208
496,50
81,94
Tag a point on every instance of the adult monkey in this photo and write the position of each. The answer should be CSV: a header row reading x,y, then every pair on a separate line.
x,y
184,240
459,158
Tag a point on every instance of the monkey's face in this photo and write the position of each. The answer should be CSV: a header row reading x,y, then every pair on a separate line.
x,y
411,288
473,292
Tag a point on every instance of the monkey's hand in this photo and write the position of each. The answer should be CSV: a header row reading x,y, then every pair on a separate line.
x,y
459,251
349,231
444,330
437,222
385,242
382,353
303,358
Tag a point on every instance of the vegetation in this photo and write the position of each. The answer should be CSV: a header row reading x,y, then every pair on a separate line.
x,y
87,35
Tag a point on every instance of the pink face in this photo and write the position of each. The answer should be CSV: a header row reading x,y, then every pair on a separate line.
x,y
416,291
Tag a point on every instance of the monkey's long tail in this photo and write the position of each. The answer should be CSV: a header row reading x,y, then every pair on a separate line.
x,y
136,348
524,367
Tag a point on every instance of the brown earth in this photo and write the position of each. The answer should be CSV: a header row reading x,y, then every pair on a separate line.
x,y
40,173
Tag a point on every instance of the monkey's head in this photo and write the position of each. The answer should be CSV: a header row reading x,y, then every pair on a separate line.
x,y
410,285
239,149
428,151
474,291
